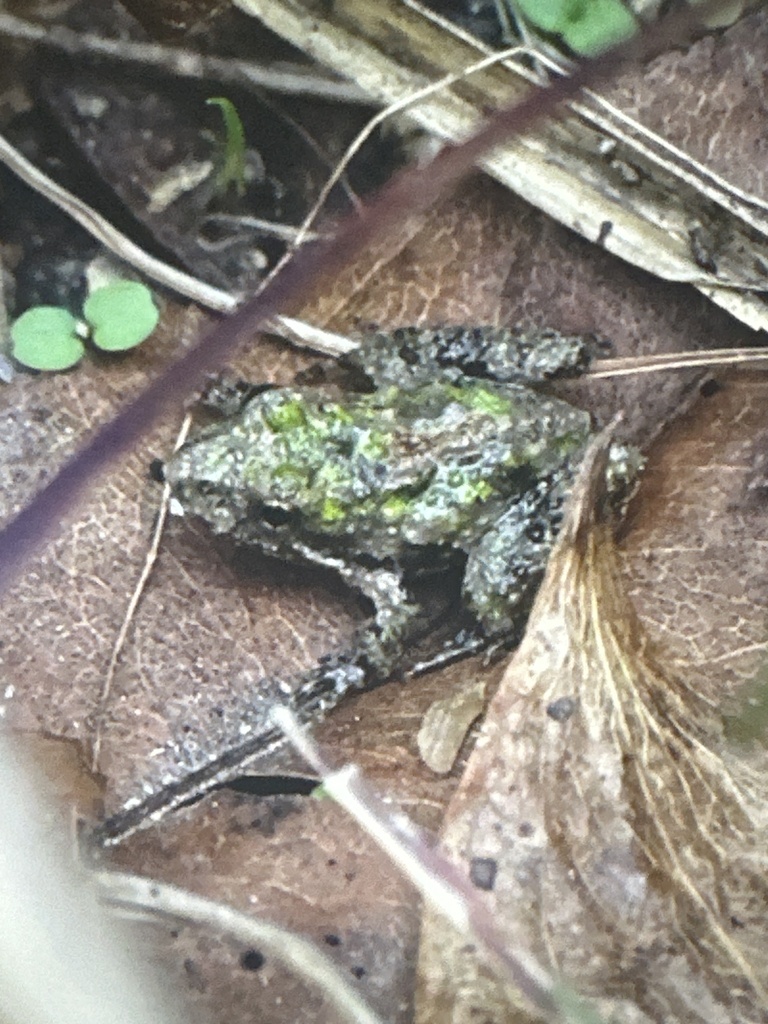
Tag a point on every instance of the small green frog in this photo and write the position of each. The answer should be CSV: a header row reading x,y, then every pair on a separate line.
x,y
439,452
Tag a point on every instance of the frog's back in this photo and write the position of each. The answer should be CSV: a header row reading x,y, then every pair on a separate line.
x,y
376,474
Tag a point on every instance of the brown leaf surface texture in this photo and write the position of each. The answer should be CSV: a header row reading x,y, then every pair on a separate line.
x,y
628,842
293,860
695,539
725,135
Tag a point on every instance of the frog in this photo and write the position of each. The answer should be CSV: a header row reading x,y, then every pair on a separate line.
x,y
426,451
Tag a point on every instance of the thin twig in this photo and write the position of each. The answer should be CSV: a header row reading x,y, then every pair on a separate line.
x,y
6,368
132,892
114,240
507,11
375,121
286,232
305,335
630,365
296,80
133,603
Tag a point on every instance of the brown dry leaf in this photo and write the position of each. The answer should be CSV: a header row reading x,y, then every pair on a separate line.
x,y
249,853
59,620
697,564
726,132
627,843
63,766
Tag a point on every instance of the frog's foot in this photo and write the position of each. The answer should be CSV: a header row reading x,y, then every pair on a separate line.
x,y
321,688
395,614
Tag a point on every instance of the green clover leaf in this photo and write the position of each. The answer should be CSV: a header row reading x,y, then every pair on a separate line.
x,y
45,338
121,315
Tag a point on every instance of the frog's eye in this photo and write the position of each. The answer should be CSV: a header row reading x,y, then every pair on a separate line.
x,y
270,515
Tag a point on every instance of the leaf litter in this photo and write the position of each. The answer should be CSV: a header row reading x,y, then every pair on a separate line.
x,y
520,282
483,255
628,842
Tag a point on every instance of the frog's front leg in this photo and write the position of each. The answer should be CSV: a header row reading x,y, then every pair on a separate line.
x,y
380,645
506,565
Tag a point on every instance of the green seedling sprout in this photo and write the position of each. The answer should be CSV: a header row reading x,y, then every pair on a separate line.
x,y
232,170
586,26
119,316
45,338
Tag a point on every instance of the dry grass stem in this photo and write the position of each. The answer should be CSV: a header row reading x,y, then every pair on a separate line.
x,y
132,893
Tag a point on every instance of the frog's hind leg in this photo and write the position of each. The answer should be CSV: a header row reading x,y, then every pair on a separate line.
x,y
506,566
376,655
521,355
413,356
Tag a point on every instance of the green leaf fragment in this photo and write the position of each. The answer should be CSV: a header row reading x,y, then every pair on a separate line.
x,y
45,338
608,23
547,15
121,315
587,26
232,171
